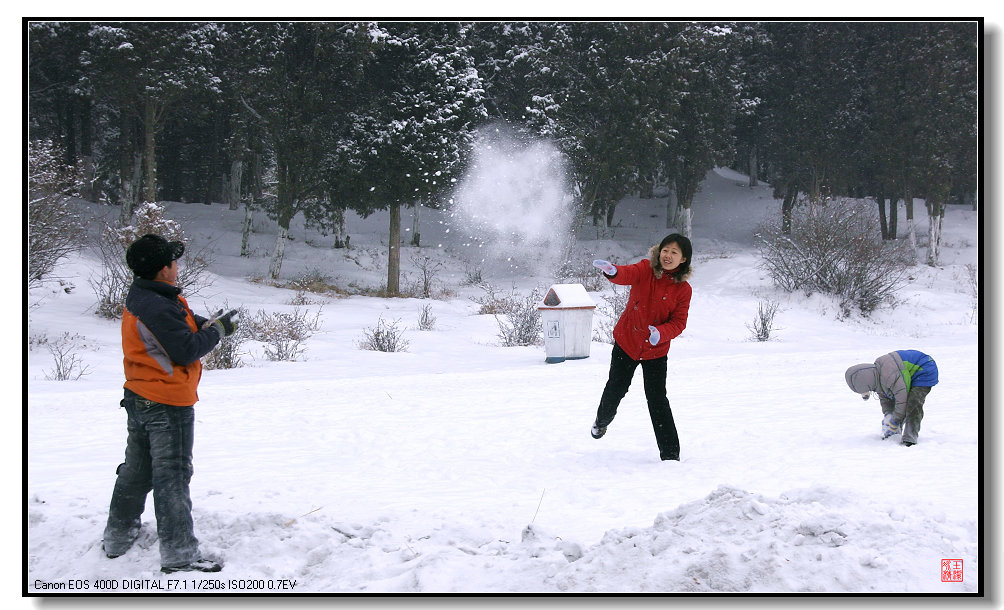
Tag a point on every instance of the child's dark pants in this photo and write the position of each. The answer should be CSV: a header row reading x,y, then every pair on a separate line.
x,y
914,412
159,458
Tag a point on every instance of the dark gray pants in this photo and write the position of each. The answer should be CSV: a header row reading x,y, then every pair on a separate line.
x,y
914,412
158,457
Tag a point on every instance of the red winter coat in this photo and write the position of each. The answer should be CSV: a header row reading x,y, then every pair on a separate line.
x,y
656,299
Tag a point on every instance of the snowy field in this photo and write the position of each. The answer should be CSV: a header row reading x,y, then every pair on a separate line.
x,y
461,466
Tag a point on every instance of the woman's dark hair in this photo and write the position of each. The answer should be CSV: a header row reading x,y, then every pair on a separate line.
x,y
681,272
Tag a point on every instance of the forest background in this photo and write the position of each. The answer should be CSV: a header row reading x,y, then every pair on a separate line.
x,y
320,118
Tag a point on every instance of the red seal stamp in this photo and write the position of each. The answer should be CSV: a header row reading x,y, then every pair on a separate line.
x,y
951,570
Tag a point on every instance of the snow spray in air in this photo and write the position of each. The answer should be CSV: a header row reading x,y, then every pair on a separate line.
x,y
514,203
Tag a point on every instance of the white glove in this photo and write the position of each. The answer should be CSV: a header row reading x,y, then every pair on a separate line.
x,y
653,336
605,267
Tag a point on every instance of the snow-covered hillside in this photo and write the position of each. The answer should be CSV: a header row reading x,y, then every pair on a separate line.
x,y
464,466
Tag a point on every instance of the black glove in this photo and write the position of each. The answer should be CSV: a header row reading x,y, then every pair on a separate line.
x,y
226,324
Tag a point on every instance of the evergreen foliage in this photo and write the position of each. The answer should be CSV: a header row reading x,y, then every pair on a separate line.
x,y
319,118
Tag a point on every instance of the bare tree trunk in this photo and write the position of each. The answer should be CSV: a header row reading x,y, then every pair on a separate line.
x,y
674,212
589,201
893,218
670,211
416,236
684,201
255,197
280,249
815,193
149,151
126,148
647,189
341,241
610,208
225,189
936,217
236,170
87,190
883,222
394,252
910,228
130,189
787,206
246,232
753,167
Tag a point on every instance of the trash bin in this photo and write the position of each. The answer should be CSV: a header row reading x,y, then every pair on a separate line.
x,y
567,315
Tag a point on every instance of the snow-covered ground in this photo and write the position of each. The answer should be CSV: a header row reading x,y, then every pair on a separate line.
x,y
464,466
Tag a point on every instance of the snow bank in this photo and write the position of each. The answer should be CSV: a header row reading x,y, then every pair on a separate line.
x,y
463,466
816,540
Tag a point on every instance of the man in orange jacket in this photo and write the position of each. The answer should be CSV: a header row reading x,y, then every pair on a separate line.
x,y
162,341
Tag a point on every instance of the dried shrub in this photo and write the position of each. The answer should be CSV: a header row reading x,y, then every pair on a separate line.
x,y
473,275
54,228
609,312
428,269
229,352
763,323
579,269
283,333
112,285
384,337
314,281
68,364
426,321
835,249
517,315
493,302
973,283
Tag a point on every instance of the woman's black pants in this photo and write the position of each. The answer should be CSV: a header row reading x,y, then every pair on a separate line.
x,y
622,368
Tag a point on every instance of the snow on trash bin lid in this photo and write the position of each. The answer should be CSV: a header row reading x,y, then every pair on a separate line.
x,y
567,296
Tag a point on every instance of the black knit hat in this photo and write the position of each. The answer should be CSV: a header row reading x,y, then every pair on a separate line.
x,y
151,253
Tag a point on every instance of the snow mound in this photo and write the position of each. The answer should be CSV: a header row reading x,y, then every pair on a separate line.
x,y
813,540
804,541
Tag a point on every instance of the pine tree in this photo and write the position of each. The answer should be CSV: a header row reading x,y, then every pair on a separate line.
x,y
412,132
145,69
60,110
297,92
749,42
510,58
946,101
604,92
806,106
704,121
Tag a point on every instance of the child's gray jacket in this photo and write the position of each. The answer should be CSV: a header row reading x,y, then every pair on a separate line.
x,y
889,376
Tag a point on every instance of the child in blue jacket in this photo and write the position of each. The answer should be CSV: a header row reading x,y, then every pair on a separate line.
x,y
902,380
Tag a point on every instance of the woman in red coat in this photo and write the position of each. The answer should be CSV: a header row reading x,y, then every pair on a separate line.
x,y
655,314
